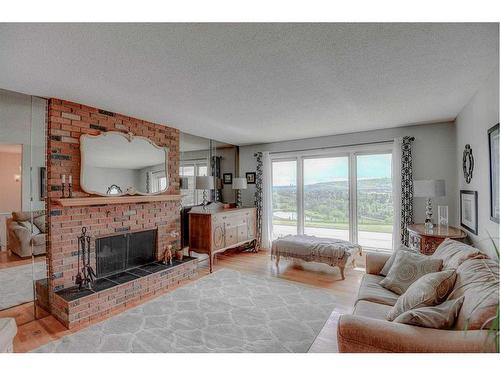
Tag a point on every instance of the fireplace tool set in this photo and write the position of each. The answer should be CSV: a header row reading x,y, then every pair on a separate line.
x,y
86,274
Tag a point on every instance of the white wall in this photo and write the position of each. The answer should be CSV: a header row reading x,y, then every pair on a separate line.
x,y
434,153
23,121
472,125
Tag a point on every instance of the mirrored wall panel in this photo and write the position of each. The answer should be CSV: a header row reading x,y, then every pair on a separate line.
x,y
206,157
23,187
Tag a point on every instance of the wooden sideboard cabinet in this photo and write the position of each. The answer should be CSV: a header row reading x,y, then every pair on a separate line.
x,y
427,242
212,232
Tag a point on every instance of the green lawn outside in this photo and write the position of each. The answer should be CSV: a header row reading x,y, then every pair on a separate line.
x,y
378,228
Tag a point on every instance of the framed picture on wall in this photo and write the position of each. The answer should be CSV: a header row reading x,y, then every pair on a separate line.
x,y
227,178
493,137
250,177
468,210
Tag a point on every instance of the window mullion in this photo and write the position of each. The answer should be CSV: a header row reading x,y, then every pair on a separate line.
x,y
300,195
353,216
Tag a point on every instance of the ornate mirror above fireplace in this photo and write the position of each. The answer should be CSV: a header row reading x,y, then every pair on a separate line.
x,y
115,164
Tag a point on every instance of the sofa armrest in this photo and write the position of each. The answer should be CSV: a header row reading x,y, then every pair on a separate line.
x,y
23,234
357,334
375,262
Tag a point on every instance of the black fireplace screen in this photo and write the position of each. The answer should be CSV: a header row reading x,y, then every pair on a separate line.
x,y
125,251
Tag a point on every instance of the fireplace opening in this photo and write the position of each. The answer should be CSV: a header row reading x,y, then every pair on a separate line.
x,y
118,253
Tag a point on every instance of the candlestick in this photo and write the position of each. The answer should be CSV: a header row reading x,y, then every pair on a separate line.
x,y
63,178
70,179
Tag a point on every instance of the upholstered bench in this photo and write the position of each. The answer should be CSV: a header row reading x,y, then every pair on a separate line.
x,y
8,329
332,251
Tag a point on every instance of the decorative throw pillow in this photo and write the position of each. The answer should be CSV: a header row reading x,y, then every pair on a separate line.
x,y
29,226
442,316
429,290
39,221
408,268
477,281
390,261
454,253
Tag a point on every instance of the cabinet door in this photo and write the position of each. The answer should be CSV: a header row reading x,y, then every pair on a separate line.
x,y
242,232
218,237
251,226
231,235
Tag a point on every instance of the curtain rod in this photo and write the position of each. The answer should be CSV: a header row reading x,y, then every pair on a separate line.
x,y
346,145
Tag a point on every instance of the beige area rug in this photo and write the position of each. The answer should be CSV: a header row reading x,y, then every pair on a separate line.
x,y
226,311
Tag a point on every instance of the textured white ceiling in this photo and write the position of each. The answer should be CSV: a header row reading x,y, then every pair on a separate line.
x,y
252,83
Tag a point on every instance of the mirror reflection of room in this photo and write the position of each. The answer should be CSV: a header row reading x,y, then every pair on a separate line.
x,y
118,164
22,203
205,157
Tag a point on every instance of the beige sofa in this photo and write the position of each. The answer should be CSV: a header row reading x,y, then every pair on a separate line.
x,y
20,240
8,329
367,330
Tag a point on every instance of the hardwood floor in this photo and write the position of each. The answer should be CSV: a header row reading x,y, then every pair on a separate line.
x,y
32,334
12,260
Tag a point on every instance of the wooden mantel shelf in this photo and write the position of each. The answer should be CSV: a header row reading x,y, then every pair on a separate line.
x,y
93,201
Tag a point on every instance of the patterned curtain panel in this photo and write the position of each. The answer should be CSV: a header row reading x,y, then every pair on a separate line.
x,y
259,203
216,194
406,188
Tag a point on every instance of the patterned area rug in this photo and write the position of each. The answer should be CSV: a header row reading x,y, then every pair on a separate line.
x,y
16,284
226,311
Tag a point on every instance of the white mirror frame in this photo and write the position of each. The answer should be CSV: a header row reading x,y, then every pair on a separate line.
x,y
129,190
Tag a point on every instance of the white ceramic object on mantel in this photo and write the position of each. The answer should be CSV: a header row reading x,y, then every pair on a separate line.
x,y
135,164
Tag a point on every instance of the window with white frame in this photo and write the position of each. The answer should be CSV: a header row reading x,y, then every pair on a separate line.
x,y
189,170
344,193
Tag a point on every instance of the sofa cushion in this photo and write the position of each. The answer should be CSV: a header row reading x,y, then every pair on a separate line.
x,y
454,253
8,330
477,281
32,228
431,289
39,221
390,261
371,310
38,240
440,317
408,268
371,290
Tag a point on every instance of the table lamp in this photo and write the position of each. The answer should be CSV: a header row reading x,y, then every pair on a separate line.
x,y
429,189
204,183
238,184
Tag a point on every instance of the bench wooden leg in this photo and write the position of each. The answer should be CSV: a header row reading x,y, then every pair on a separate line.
x,y
342,272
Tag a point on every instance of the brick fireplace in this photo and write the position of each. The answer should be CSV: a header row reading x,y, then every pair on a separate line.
x,y
67,121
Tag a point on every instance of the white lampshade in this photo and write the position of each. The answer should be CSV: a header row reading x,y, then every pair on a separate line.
x,y
429,188
204,182
239,183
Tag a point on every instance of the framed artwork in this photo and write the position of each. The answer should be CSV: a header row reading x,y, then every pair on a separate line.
x,y
43,183
493,137
250,177
468,210
227,178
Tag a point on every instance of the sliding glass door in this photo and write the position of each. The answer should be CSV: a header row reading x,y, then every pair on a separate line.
x,y
374,200
284,197
326,197
346,195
